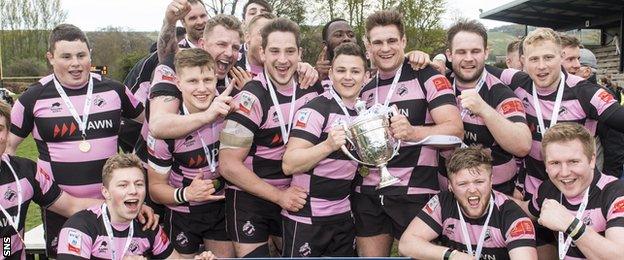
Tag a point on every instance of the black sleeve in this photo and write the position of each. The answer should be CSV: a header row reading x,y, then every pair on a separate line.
x,y
613,204
22,115
616,119
517,227
45,190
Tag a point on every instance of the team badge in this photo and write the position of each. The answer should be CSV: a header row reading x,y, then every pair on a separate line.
x,y
133,247
441,83
74,239
181,239
302,118
605,96
246,102
618,207
98,101
103,247
522,227
10,195
249,229
432,205
167,74
402,90
305,250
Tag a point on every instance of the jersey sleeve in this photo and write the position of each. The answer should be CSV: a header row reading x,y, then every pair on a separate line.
x,y
437,87
131,107
535,204
161,245
164,80
22,115
250,112
308,125
613,204
597,102
517,227
431,214
45,190
74,240
159,155
507,104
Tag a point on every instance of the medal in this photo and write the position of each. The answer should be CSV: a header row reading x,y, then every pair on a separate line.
x,y
364,171
84,146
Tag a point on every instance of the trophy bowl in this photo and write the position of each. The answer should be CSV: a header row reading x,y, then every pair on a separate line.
x,y
370,136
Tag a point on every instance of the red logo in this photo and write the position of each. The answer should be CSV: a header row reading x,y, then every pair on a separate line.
x,y
44,173
74,249
60,130
441,83
196,162
524,227
512,106
618,207
163,237
276,139
605,96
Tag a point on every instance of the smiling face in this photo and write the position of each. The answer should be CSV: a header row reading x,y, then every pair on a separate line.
x,y
386,47
195,21
468,55
569,167
281,56
198,87
542,61
71,62
571,59
347,75
472,188
124,194
339,32
223,46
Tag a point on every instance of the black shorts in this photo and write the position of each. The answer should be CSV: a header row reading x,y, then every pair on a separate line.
x,y
52,224
373,217
335,239
250,219
187,231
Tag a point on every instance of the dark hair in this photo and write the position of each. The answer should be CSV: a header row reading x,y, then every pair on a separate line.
x,y
180,31
193,57
228,21
262,3
280,25
351,49
66,32
569,41
383,18
468,158
5,111
471,26
326,27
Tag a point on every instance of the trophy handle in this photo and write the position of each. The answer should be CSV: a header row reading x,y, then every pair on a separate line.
x,y
346,151
344,126
392,111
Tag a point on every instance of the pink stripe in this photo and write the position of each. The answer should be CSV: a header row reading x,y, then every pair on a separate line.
x,y
27,193
277,183
604,180
93,191
17,114
504,172
443,182
531,184
275,153
133,100
17,245
416,190
594,218
474,231
491,80
85,245
299,219
433,92
143,92
428,156
42,108
507,75
101,149
46,79
143,246
404,174
301,180
323,208
96,76
336,169
536,149
572,80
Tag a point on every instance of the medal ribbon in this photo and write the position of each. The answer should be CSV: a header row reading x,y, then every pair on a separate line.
x,y
109,232
557,105
82,123
564,246
397,75
462,222
212,162
280,117
478,86
13,220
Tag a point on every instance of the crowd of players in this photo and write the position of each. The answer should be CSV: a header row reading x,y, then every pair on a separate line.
x,y
237,147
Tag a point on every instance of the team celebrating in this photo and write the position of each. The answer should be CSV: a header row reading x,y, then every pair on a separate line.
x,y
238,143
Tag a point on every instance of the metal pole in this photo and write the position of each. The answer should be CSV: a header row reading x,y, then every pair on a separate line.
x,y
621,68
1,75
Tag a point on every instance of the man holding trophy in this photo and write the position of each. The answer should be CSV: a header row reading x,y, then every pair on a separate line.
x,y
426,106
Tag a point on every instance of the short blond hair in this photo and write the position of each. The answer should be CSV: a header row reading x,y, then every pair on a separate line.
x,y
119,161
566,132
540,35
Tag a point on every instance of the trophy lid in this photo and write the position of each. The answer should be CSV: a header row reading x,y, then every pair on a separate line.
x,y
375,111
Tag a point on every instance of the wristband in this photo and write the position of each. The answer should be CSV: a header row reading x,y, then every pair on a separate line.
x,y
178,196
447,254
572,226
579,233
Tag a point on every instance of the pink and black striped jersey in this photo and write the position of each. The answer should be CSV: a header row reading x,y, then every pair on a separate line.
x,y
329,182
42,112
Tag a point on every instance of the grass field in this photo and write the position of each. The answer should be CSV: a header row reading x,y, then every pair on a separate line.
x,y
28,149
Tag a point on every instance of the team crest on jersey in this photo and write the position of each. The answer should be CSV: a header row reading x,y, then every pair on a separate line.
x,y
167,73
56,107
618,207
103,247
563,110
512,106
402,90
246,102
189,141
10,195
133,247
302,118
275,117
587,220
487,235
98,101
525,102
74,241
181,239
151,143
522,227
305,250
441,83
432,205
370,99
249,228
449,230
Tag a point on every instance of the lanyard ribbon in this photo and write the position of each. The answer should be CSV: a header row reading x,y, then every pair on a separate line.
x,y
397,75
212,161
14,220
478,86
555,111
280,117
82,123
564,246
109,232
462,222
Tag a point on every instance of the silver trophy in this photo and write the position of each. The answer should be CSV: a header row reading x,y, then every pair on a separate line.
x,y
370,136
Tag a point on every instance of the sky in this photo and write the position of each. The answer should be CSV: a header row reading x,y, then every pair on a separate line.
x,y
147,15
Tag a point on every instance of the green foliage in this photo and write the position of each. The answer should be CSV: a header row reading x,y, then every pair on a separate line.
x,y
422,24
112,45
28,149
27,67
125,64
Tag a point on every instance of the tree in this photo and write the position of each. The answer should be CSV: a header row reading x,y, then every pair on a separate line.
x,y
293,9
221,6
423,28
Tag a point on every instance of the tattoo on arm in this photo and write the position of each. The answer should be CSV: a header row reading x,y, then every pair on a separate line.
x,y
166,41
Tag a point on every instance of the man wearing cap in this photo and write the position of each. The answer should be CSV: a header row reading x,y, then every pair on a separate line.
x,y
588,62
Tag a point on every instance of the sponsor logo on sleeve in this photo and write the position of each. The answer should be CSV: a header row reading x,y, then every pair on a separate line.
x,y
302,118
512,106
74,241
246,102
432,205
441,83
167,74
523,227
605,96
618,206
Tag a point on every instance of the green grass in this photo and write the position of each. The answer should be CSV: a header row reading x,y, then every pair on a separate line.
x,y
28,149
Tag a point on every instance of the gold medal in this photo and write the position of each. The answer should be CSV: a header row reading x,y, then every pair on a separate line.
x,y
84,146
364,171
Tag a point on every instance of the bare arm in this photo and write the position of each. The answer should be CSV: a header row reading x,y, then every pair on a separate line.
x,y
513,137
67,205
302,155
13,143
416,243
159,188
524,252
596,246
167,43
447,122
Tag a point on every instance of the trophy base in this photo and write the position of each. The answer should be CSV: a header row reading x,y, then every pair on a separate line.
x,y
386,178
